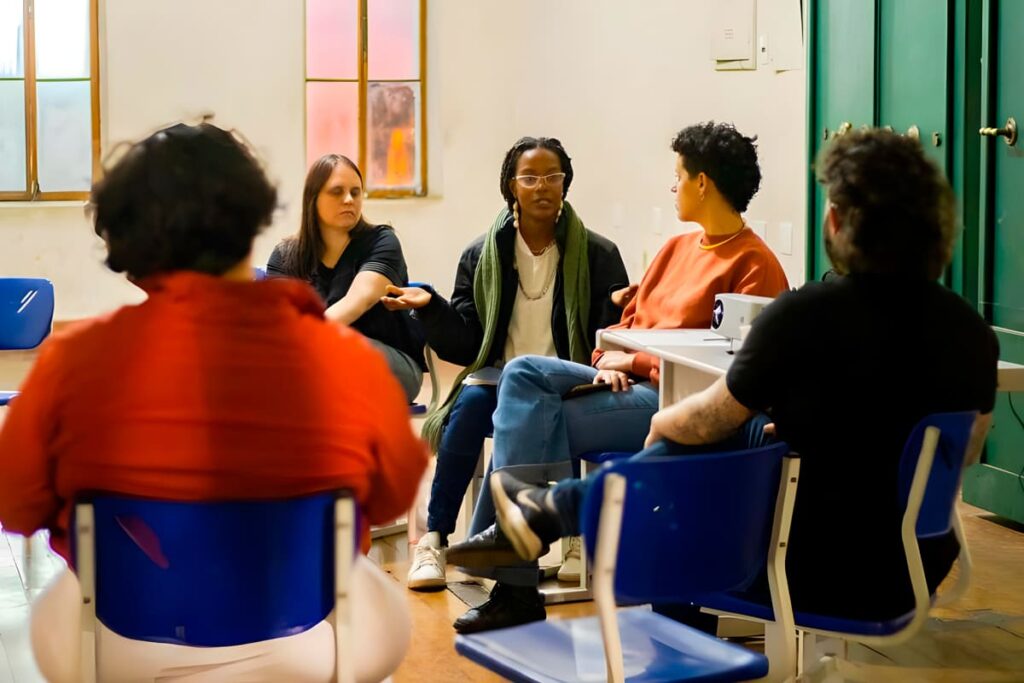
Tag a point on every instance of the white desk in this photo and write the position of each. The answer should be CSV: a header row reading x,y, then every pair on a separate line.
x,y
691,360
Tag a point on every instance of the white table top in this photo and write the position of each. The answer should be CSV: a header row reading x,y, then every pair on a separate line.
x,y
706,351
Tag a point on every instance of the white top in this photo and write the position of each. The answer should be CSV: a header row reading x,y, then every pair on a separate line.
x,y
529,330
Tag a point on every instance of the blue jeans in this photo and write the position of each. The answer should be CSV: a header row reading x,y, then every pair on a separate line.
x,y
462,439
540,437
568,494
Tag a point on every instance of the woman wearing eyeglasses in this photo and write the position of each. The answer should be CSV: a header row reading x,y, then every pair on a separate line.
x,y
537,282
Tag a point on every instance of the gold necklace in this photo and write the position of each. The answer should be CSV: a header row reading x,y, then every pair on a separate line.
x,y
543,291
709,247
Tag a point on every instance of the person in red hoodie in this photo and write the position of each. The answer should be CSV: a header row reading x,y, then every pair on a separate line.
x,y
717,174
214,388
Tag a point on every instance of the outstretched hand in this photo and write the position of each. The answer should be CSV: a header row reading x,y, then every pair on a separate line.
x,y
622,297
404,298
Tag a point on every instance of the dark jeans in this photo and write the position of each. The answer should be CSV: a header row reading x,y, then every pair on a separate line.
x,y
568,494
462,439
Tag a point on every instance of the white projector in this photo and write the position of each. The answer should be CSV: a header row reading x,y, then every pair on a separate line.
x,y
733,311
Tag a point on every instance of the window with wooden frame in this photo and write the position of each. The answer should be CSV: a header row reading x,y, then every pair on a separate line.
x,y
49,99
366,90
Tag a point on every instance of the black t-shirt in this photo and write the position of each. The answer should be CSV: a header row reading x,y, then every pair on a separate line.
x,y
374,249
846,368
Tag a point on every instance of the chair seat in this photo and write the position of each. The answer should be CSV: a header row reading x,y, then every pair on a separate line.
x,y
655,649
600,457
7,396
740,604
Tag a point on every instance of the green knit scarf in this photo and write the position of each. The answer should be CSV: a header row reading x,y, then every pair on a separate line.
x,y
487,297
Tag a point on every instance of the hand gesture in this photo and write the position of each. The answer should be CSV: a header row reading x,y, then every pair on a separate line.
x,y
622,297
404,298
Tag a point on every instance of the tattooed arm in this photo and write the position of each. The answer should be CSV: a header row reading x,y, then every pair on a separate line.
x,y
705,417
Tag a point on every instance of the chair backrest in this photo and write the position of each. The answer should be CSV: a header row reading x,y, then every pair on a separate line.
x,y
708,519
26,312
213,573
936,514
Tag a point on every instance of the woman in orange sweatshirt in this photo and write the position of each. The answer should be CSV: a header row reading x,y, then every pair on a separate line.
x,y
717,174
214,388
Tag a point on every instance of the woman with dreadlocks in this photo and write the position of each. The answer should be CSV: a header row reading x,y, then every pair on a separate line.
x,y
537,282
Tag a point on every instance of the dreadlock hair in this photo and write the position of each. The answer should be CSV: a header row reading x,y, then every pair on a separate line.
x,y
508,167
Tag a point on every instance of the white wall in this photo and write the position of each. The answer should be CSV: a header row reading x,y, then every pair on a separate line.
x,y
613,81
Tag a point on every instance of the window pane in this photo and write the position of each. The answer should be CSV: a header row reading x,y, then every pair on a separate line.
x,y
394,39
393,136
12,39
62,38
12,136
332,46
332,120
65,136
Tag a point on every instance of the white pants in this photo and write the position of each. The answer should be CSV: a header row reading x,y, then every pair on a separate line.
x,y
381,635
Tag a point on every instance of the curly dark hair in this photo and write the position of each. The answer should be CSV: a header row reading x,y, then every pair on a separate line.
x,y
896,208
508,166
185,198
723,154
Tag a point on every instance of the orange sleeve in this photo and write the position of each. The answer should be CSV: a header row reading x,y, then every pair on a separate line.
x,y
763,277
645,365
400,455
28,497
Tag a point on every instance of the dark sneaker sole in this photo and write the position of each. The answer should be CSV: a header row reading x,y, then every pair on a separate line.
x,y
483,557
526,543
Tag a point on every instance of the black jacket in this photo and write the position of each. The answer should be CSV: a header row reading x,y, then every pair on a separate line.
x,y
453,328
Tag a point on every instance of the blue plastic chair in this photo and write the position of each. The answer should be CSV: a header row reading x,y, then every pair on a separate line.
x,y
215,574
26,314
929,484
665,529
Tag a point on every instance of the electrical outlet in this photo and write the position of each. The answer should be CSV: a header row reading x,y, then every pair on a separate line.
x,y
785,244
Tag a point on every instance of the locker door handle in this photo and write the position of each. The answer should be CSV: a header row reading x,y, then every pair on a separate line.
x,y
1009,131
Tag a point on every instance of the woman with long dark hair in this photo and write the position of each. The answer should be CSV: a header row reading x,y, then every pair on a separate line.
x,y
351,262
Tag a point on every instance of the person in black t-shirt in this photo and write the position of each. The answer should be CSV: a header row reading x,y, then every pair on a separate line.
x,y
350,263
844,369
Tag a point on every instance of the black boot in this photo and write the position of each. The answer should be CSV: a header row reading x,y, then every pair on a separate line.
x,y
489,548
507,606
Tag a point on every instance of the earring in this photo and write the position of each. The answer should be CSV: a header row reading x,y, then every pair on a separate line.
x,y
702,196
515,214
561,205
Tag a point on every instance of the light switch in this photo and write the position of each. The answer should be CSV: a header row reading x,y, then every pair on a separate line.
x,y
785,245
762,49
656,220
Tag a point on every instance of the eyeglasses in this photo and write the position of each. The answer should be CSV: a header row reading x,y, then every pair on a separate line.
x,y
528,181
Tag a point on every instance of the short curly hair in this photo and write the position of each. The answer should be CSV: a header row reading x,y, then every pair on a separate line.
x,y
723,154
185,198
896,209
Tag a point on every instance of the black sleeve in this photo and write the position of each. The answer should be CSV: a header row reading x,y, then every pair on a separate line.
x,y
384,256
275,264
762,365
988,377
453,328
607,274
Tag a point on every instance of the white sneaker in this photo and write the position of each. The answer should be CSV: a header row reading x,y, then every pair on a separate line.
x,y
572,564
427,569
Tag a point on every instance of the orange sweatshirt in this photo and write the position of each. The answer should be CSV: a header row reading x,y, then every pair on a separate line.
x,y
208,390
678,290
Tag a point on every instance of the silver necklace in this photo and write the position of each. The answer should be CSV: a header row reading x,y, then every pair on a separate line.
x,y
543,291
